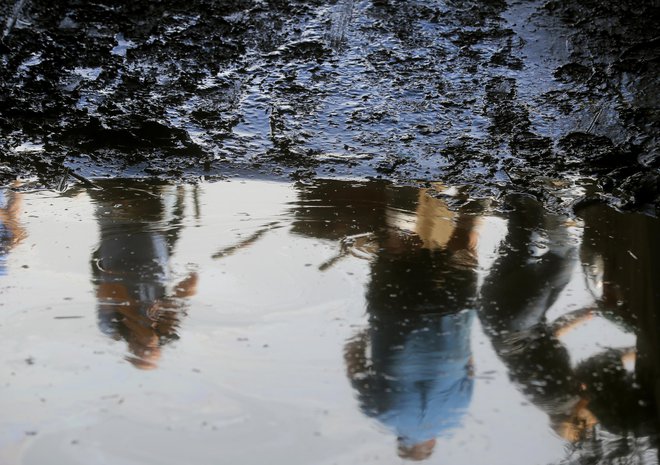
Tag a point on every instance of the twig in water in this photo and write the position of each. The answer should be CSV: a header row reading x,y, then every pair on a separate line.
x,y
593,121
84,180
13,17
62,185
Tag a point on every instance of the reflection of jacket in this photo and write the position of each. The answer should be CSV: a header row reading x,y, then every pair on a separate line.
x,y
134,266
419,383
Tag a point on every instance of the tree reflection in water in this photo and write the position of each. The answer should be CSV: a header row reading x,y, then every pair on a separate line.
x,y
137,299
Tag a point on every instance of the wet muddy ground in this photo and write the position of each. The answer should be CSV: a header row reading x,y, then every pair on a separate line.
x,y
323,322
500,96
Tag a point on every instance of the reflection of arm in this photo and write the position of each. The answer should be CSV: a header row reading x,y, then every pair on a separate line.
x,y
372,394
187,287
569,321
355,356
463,242
245,243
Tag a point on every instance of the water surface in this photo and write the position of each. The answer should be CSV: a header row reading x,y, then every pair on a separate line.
x,y
325,322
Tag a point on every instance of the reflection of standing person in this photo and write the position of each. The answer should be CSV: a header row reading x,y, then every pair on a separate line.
x,y
11,232
535,264
418,378
412,366
132,270
621,255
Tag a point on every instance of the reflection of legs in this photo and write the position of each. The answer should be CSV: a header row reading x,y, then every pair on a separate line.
x,y
535,264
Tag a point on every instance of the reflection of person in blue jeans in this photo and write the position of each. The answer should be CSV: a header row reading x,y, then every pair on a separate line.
x,y
418,381
412,366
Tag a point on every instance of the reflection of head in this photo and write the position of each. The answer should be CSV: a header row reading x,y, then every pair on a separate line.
x,y
575,425
418,452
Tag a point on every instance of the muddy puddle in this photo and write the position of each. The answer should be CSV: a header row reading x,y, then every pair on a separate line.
x,y
323,322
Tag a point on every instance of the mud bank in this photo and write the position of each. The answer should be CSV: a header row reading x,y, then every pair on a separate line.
x,y
502,96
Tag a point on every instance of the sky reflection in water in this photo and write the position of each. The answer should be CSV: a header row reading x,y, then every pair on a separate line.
x,y
337,321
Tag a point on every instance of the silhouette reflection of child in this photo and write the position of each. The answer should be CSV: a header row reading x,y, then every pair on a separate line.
x,y
131,268
412,365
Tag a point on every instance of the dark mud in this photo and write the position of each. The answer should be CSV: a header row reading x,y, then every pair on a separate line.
x,y
502,96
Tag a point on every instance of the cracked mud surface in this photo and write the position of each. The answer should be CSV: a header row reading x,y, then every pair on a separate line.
x,y
500,96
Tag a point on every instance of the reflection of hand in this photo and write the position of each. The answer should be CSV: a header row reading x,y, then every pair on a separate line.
x,y
577,423
355,356
187,287
469,368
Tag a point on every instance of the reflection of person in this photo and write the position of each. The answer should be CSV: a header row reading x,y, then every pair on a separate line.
x,y
535,264
621,256
132,271
416,378
11,231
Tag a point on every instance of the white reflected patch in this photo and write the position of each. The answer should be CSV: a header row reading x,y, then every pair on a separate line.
x,y
29,147
492,231
594,336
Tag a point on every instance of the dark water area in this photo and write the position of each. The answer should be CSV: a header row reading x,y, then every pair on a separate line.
x,y
500,96
324,322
